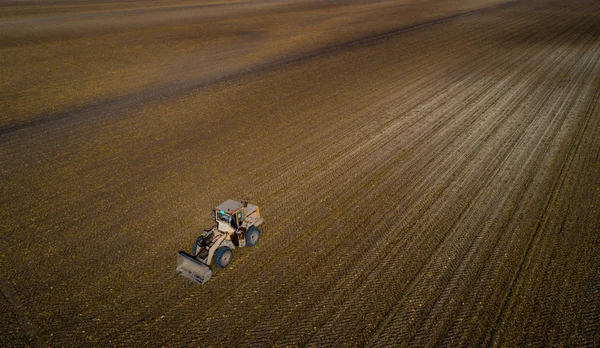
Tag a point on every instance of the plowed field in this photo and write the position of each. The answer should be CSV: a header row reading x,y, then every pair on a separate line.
x,y
429,172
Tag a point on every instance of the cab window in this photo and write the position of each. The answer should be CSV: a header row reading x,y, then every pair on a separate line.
x,y
222,216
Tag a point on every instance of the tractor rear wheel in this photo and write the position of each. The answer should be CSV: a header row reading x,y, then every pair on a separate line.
x,y
223,256
252,236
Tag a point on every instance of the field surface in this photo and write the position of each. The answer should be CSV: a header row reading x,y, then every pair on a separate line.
x,y
429,171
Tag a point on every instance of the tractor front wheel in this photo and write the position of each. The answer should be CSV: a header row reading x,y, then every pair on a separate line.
x,y
223,256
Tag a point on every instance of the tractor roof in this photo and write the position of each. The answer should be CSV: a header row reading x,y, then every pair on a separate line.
x,y
230,205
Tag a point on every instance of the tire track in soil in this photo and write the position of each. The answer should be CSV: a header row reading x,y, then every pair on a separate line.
x,y
286,283
502,256
545,247
468,309
424,332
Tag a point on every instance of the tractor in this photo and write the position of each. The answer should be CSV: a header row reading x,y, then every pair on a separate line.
x,y
236,225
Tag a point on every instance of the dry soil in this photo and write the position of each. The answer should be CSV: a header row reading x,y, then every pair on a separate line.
x,y
429,171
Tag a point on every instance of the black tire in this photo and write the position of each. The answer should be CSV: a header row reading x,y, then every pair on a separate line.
x,y
222,257
252,236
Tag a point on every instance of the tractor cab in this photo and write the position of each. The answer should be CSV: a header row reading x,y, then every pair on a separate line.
x,y
229,215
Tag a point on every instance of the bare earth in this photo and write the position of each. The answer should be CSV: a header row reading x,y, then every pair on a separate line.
x,y
429,171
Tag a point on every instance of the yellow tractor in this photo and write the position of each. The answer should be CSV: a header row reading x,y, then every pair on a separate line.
x,y
236,226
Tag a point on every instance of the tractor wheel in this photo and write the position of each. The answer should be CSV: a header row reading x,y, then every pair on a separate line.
x,y
223,256
194,249
252,236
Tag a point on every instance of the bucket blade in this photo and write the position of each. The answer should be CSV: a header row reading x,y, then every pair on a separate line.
x,y
192,269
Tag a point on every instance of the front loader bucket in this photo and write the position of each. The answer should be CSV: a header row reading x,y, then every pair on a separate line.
x,y
192,269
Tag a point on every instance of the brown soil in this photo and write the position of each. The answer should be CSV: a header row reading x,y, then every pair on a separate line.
x,y
429,171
